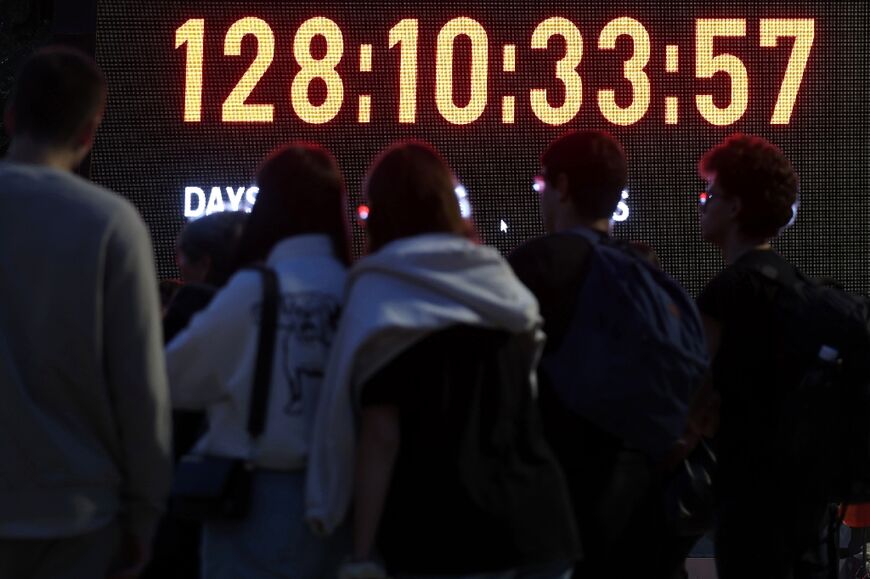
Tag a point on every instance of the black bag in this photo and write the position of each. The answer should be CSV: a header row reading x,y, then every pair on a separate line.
x,y
211,487
219,488
634,351
688,492
822,432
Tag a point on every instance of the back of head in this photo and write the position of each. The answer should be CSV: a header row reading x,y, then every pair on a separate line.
x,y
410,191
301,192
593,162
215,237
57,93
757,172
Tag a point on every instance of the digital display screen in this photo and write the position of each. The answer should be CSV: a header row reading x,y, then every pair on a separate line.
x,y
200,91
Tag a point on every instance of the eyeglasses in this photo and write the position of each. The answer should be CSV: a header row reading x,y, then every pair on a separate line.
x,y
539,183
362,213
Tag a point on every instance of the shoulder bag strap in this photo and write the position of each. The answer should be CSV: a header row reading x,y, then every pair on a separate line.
x,y
781,273
265,351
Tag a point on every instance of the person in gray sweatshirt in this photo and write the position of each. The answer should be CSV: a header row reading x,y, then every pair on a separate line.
x,y
84,409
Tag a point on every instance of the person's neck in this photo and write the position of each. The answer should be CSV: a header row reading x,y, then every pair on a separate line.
x,y
737,246
29,152
569,222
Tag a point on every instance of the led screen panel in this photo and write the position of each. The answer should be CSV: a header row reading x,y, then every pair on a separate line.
x,y
201,91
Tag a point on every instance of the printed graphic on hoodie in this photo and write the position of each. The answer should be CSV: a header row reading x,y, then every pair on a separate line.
x,y
307,322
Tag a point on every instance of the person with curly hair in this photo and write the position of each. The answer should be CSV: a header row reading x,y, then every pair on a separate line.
x,y
766,524
752,195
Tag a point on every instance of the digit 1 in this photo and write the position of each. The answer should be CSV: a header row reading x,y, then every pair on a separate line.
x,y
404,34
192,33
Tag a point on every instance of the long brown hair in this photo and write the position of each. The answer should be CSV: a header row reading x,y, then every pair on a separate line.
x,y
301,191
410,190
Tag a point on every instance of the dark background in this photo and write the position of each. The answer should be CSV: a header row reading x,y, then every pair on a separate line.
x,y
147,153
28,24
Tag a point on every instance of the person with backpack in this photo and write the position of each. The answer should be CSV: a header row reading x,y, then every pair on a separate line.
x,y
768,513
428,420
624,353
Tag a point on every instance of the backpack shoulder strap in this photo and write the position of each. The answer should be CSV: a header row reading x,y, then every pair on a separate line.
x,y
776,270
592,236
265,351
598,240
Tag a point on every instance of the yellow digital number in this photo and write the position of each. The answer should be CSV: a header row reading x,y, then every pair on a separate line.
x,y
235,109
566,71
707,65
312,68
404,34
633,70
803,31
192,34
444,70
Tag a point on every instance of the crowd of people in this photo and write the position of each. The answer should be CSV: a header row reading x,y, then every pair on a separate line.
x,y
429,410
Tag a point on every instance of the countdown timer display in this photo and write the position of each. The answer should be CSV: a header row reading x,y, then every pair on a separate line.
x,y
404,37
201,91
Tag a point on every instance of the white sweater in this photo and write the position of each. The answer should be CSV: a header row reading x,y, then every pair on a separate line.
x,y
211,363
409,289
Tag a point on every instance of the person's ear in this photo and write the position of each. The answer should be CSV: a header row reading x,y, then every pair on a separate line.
x,y
736,206
205,265
562,188
85,139
88,133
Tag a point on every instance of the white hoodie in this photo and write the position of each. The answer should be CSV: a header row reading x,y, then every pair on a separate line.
x,y
211,363
409,289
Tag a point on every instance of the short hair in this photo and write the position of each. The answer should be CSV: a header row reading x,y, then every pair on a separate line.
x,y
594,164
302,191
410,190
758,173
57,92
215,236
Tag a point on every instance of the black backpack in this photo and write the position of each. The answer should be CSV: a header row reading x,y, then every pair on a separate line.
x,y
822,430
634,351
